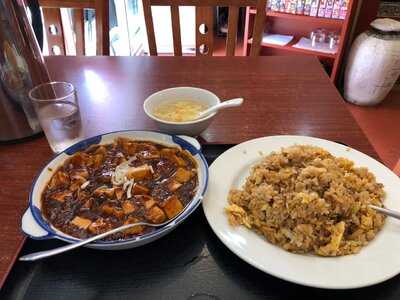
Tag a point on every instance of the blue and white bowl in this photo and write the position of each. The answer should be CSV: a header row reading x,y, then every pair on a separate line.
x,y
37,227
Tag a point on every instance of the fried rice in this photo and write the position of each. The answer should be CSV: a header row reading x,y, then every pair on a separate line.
x,y
305,200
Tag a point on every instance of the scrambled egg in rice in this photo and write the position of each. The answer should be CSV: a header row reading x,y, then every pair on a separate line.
x,y
305,200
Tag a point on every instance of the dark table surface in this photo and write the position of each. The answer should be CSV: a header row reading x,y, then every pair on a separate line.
x,y
284,95
189,263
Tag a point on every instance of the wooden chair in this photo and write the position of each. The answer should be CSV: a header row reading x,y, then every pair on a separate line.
x,y
204,19
54,28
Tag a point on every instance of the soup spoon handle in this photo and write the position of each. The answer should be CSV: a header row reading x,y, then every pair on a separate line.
x,y
222,105
47,253
387,212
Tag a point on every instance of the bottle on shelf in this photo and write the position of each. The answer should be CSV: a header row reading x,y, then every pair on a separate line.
x,y
321,8
331,9
282,6
343,9
275,5
291,6
328,9
300,7
314,8
336,9
307,7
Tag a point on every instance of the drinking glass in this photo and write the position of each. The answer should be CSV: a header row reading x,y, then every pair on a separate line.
x,y
56,105
318,36
333,39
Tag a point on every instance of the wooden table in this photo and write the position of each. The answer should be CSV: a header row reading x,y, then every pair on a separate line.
x,y
283,95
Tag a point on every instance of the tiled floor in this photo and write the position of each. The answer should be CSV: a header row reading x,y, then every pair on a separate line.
x,y
220,43
381,124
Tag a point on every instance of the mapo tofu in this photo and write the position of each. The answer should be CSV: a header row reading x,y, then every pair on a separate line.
x,y
106,186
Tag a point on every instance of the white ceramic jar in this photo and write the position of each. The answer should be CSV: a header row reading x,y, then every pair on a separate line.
x,y
374,63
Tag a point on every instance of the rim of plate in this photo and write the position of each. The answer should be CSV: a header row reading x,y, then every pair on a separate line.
x,y
254,262
53,232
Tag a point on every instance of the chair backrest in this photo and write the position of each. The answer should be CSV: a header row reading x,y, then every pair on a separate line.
x,y
55,30
204,19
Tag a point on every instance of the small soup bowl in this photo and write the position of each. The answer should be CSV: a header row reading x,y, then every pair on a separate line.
x,y
191,128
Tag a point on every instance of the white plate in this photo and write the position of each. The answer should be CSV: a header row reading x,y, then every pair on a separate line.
x,y
377,262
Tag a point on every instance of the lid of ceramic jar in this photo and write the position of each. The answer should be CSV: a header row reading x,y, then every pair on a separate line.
x,y
386,24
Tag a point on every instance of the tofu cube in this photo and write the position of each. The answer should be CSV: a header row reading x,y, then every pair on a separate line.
x,y
101,150
107,209
108,192
128,207
179,161
134,230
149,203
182,175
81,159
155,215
140,189
63,178
119,193
59,179
172,206
139,173
144,146
75,186
118,213
83,195
171,155
167,152
97,160
99,226
82,223
79,174
88,203
174,185
150,154
110,210
60,196
127,146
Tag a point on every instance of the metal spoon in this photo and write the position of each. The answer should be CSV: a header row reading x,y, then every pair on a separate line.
x,y
43,254
222,105
387,212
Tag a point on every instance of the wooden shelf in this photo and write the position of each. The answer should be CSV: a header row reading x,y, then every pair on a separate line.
x,y
300,26
289,47
303,18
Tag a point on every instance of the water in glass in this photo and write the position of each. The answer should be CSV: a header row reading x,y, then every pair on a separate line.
x,y
62,124
57,106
